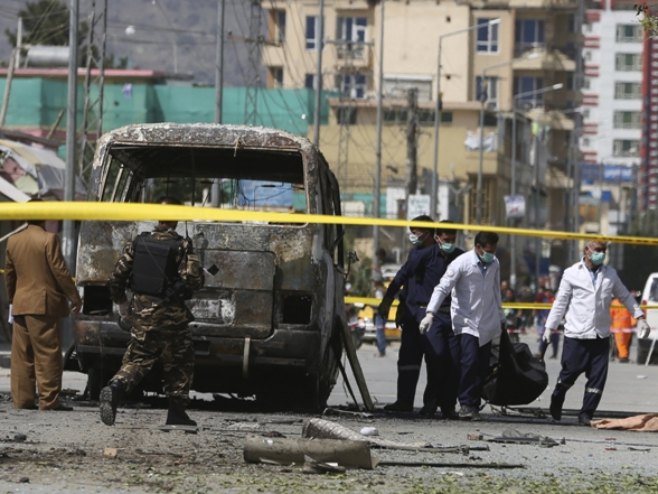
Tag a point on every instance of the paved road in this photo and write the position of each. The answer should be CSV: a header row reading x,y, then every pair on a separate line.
x,y
630,387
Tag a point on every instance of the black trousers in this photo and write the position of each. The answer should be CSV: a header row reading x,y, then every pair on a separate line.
x,y
474,362
590,357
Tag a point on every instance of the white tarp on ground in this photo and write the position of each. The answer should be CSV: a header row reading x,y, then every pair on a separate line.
x,y
34,171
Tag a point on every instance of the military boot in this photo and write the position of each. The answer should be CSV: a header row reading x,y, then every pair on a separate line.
x,y
110,397
177,415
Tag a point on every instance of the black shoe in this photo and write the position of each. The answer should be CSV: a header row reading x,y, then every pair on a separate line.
x,y
556,408
398,407
61,407
178,416
585,419
109,400
467,412
428,411
449,414
623,360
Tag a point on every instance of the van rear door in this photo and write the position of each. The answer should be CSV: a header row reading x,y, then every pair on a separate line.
x,y
238,294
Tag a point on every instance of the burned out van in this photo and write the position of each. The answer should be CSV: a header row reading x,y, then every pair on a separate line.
x,y
269,318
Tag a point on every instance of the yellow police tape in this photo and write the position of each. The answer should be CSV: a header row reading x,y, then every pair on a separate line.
x,y
506,305
103,211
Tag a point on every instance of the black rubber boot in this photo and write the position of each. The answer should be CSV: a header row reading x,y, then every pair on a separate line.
x,y
110,397
177,415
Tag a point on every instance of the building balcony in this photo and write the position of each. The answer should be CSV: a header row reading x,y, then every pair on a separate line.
x,y
350,55
542,57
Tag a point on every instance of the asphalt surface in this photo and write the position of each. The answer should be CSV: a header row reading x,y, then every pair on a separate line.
x,y
64,451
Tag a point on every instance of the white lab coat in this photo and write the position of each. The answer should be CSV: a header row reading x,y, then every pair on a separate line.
x,y
476,301
584,305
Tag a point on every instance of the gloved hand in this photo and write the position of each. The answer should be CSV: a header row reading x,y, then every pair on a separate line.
x,y
643,329
546,337
426,322
383,309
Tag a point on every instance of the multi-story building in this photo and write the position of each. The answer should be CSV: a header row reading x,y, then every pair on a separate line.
x,y
612,114
500,60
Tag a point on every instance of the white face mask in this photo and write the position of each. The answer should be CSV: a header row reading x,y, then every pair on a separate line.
x,y
414,239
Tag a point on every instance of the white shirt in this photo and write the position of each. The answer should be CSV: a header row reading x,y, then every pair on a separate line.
x,y
584,302
476,302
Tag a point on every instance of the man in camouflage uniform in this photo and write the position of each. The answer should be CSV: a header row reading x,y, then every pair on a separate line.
x,y
158,316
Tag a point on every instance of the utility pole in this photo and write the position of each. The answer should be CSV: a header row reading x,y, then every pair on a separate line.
x,y
345,112
412,144
219,62
92,111
572,196
251,96
68,233
319,45
378,145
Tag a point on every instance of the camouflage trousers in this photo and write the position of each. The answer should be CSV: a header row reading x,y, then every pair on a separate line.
x,y
171,348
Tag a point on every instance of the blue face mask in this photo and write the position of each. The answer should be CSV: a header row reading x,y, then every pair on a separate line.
x,y
447,247
487,257
597,258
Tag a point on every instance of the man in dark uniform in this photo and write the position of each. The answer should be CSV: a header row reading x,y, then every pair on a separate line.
x,y
421,272
162,272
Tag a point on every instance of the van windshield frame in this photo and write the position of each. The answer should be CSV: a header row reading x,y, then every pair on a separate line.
x,y
228,178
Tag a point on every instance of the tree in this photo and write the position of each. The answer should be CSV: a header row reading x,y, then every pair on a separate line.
x,y
649,21
46,22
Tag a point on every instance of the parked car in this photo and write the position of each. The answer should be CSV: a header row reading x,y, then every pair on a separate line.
x,y
650,298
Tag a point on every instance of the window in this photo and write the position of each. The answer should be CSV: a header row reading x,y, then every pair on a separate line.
x,y
587,83
627,120
352,85
527,86
276,77
528,33
490,90
346,115
626,62
626,147
586,142
278,26
312,31
309,81
627,90
351,36
629,33
487,36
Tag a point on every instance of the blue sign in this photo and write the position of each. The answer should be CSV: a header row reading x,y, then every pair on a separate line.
x,y
597,173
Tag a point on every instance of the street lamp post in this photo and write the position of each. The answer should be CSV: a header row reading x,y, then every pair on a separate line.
x,y
438,110
483,100
516,97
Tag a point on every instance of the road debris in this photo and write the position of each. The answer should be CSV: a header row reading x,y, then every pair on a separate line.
x,y
346,453
512,436
326,429
110,453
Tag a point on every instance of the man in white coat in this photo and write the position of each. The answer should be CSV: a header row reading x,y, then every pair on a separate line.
x,y
473,278
583,300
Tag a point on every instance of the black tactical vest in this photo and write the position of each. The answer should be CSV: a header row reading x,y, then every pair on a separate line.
x,y
155,268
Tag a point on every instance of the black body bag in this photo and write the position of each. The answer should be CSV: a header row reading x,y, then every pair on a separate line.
x,y
516,377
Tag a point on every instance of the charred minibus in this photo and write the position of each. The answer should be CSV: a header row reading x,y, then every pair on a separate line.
x,y
269,318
